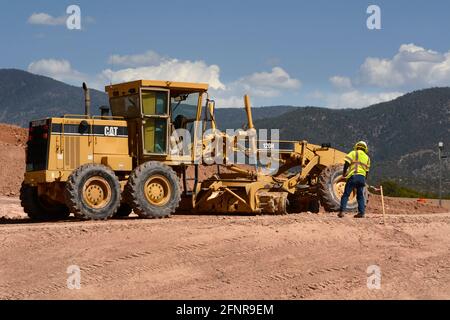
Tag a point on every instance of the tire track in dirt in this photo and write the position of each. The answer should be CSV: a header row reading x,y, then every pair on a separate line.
x,y
179,249
243,251
411,280
71,229
310,280
94,278
344,278
193,255
318,278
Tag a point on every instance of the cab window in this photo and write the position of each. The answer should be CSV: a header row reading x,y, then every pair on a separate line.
x,y
155,131
127,106
154,102
155,122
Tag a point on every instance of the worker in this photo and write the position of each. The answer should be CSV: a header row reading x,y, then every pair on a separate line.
x,y
356,169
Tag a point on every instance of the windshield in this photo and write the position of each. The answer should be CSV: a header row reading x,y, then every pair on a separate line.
x,y
187,107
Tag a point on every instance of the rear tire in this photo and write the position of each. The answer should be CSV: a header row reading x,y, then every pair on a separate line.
x,y
331,187
153,190
37,208
93,192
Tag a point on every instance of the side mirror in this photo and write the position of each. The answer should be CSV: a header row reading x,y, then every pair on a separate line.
x,y
181,97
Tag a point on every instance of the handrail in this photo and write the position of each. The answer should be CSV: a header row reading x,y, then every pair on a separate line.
x,y
71,116
284,141
109,117
76,116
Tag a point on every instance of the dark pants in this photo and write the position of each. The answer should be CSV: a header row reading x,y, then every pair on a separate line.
x,y
357,182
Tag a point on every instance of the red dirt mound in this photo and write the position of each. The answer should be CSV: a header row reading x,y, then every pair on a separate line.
x,y
12,158
401,206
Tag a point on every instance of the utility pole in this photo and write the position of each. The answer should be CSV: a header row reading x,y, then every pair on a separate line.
x,y
440,147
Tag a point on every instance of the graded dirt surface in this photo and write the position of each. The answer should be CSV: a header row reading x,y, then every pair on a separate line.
x,y
298,256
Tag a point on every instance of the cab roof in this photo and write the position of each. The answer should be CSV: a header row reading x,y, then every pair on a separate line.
x,y
126,88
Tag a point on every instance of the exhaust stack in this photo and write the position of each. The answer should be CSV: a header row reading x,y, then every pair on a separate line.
x,y
87,100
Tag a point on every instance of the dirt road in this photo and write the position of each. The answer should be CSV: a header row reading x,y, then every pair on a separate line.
x,y
301,256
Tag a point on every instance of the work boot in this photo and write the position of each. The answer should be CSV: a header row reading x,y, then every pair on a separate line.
x,y
341,214
359,215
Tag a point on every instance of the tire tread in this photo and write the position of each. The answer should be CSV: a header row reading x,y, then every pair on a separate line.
x,y
137,202
72,196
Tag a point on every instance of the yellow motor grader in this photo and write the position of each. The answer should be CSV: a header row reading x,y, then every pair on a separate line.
x,y
128,159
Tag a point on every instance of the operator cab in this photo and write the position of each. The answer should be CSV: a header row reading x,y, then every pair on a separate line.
x,y
153,109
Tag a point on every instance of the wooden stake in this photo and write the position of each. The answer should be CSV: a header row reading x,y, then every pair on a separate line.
x,y
382,204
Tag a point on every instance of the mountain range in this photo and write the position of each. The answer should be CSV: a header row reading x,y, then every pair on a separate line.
x,y
25,96
402,134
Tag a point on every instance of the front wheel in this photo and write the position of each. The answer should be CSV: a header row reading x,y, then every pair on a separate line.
x,y
331,187
153,190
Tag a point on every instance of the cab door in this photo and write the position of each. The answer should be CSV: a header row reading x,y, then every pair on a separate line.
x,y
155,121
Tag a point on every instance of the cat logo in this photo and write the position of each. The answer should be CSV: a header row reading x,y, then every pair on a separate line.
x,y
111,131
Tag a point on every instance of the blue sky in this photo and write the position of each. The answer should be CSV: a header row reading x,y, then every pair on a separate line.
x,y
281,52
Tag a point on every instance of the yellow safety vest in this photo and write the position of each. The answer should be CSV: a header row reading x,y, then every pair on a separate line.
x,y
359,163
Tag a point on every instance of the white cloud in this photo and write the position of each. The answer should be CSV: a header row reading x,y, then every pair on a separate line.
x,y
258,85
355,99
57,69
346,95
276,79
136,60
46,19
411,67
150,65
341,82
169,69
173,69
228,102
